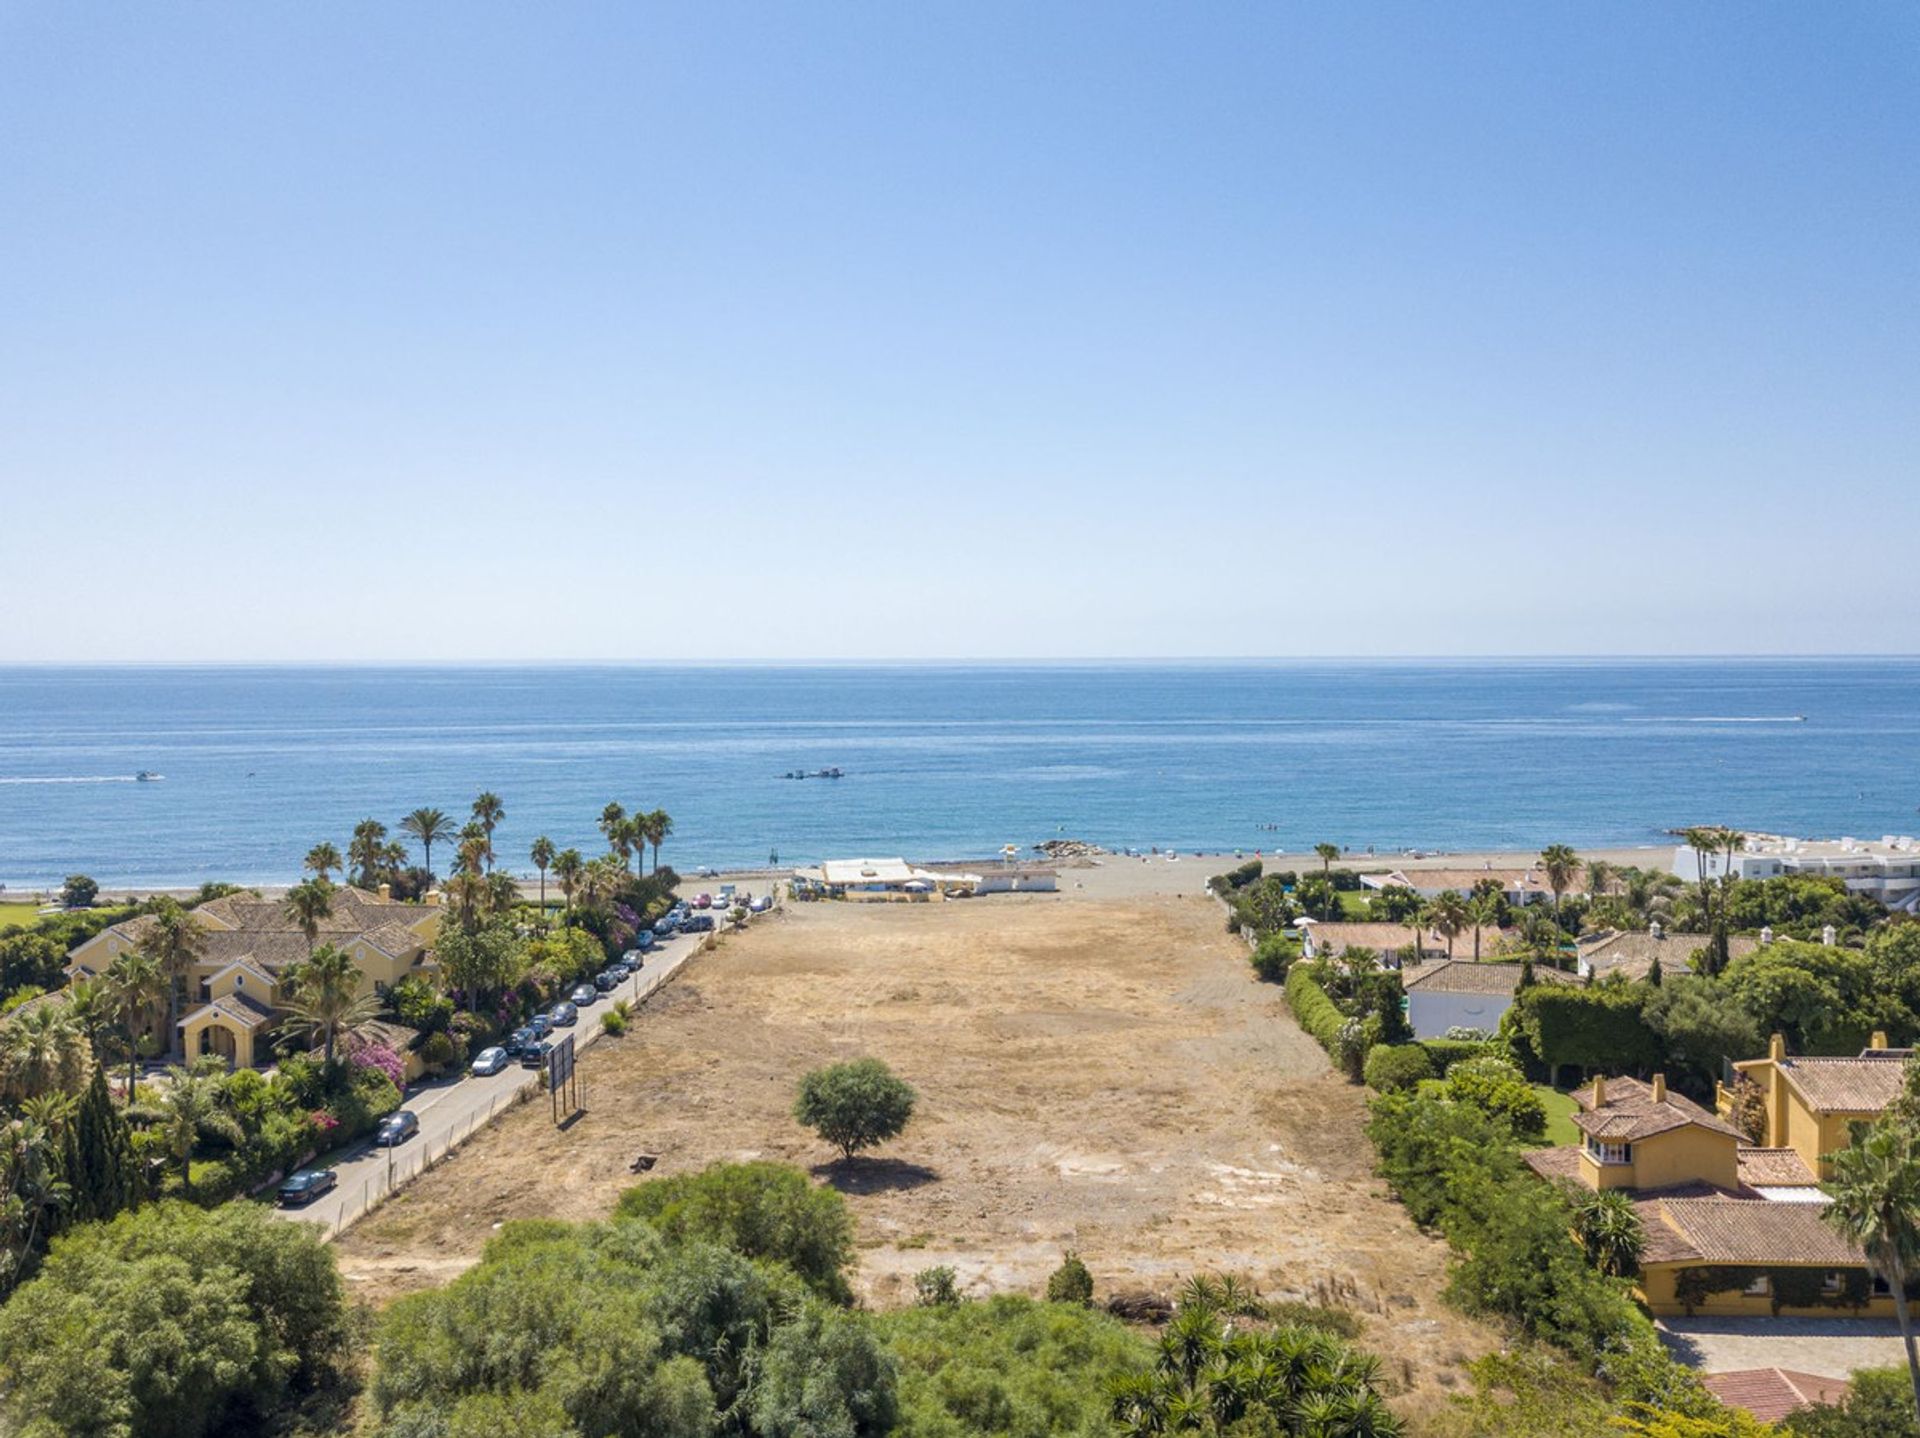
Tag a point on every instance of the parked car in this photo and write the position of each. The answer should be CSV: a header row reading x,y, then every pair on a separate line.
x,y
535,1056
761,904
396,1128
642,941
700,924
490,1061
518,1040
665,924
307,1185
606,981
584,995
564,1014
703,901
541,1025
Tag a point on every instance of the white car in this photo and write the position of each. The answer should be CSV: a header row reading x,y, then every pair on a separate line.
x,y
489,1061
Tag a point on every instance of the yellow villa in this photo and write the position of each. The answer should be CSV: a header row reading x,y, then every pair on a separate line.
x,y
246,947
1731,1227
1812,1104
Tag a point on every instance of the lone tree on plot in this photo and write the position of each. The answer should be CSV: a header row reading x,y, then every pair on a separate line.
x,y
854,1105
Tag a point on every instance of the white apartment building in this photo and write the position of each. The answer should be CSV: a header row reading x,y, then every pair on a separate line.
x,y
1887,869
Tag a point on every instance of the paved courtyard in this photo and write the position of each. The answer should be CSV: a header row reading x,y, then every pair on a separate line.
x,y
1831,1346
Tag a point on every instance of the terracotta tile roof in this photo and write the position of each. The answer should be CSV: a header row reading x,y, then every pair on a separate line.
x,y
1556,1163
1775,1168
1843,1085
1631,1113
1633,953
1463,976
395,939
1529,882
1746,1231
237,1007
1770,1394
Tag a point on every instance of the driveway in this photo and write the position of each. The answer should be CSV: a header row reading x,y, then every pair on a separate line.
x,y
451,1110
1833,1347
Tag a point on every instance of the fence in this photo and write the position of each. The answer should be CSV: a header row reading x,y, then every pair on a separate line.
x,y
408,1161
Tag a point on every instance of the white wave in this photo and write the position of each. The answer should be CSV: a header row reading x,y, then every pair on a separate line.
x,y
1721,719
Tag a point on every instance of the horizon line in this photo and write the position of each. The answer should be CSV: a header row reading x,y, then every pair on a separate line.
x,y
979,661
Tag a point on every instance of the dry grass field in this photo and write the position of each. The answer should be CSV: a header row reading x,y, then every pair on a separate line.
x,y
1100,1074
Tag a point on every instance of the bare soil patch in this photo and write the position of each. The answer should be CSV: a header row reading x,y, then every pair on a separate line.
x,y
1101,1074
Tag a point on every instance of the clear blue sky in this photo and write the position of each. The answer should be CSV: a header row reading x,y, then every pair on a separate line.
x,y
470,331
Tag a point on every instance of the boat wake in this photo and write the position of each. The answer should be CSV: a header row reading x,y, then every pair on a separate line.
x,y
69,779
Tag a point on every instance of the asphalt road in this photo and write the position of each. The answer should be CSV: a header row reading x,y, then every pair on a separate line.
x,y
451,1110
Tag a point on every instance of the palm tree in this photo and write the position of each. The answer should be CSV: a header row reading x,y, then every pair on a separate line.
x,y
42,1050
192,1106
487,812
1561,864
30,1185
1450,914
322,859
630,834
135,984
1328,853
1599,878
367,852
611,818
1608,1227
326,999
659,828
568,867
91,1010
1875,1187
542,856
175,941
429,826
306,905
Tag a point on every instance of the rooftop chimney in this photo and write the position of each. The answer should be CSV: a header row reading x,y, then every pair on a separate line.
x,y
1777,1047
386,893
1879,1039
1827,935
1659,1088
1599,1090
1766,935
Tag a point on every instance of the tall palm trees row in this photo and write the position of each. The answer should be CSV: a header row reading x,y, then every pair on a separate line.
x,y
627,835
372,857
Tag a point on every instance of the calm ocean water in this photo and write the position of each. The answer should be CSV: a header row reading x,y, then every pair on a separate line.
x,y
259,763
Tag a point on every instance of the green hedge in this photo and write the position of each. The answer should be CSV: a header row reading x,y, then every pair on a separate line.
x,y
1393,1068
1443,1054
1317,1013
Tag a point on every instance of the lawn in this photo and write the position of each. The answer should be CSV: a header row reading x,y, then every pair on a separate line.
x,y
18,913
1560,1111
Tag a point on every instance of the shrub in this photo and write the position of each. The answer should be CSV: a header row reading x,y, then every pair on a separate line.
x,y
1392,1068
934,1287
762,1210
1292,1313
1009,1366
1070,1282
614,1022
171,1320
1878,1404
610,1328
1443,1054
1316,1013
1273,956
1350,1045
380,1059
1500,1090
854,1105
437,1053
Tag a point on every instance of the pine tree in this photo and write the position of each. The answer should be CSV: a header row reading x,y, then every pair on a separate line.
x,y
1654,976
97,1159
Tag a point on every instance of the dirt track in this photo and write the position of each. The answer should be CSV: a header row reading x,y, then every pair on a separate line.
x,y
1102,1075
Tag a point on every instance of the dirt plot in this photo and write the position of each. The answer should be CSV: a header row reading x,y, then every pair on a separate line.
x,y
1096,1074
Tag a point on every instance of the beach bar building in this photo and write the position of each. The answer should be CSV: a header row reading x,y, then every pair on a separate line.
x,y
879,879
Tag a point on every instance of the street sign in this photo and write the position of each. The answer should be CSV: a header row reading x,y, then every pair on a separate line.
x,y
561,1079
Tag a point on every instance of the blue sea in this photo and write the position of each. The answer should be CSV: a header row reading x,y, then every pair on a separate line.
x,y
946,761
